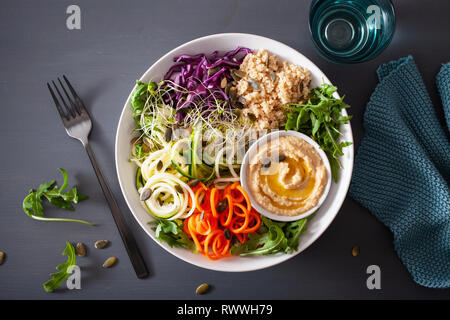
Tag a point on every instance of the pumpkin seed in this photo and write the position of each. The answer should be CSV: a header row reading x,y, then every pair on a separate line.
x,y
135,140
227,234
2,257
145,194
168,134
194,183
233,93
223,83
267,61
80,249
273,76
201,289
179,188
213,71
145,148
254,84
355,251
227,88
237,105
241,100
100,244
251,116
109,262
237,74
300,88
266,162
147,142
159,165
222,205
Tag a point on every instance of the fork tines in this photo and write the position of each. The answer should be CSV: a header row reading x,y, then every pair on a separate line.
x,y
74,106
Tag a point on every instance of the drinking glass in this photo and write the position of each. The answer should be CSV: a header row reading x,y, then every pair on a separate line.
x,y
351,31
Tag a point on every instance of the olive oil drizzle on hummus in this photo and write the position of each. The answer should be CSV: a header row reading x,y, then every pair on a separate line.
x,y
292,186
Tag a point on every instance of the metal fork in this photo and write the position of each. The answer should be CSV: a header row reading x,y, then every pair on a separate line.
x,y
78,125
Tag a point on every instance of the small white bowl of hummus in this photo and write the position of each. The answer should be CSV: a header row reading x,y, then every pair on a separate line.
x,y
286,175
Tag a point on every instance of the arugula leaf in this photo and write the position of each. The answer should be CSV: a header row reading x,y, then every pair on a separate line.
x,y
32,204
272,237
62,274
320,118
140,95
172,233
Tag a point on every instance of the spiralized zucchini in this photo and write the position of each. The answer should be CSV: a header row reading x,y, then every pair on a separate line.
x,y
166,201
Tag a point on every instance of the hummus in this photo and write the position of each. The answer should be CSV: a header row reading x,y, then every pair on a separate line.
x,y
287,176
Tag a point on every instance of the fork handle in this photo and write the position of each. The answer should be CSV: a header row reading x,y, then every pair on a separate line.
x,y
127,237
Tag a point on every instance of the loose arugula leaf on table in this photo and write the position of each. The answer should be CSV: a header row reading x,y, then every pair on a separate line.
x,y
32,204
62,274
171,232
320,118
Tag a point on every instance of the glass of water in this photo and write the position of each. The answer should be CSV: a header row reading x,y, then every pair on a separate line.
x,y
351,31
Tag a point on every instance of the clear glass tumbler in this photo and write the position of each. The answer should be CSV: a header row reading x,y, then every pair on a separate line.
x,y
351,31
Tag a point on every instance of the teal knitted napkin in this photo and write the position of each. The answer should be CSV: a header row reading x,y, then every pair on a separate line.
x,y
402,169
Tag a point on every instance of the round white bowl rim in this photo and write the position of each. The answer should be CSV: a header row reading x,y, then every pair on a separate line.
x,y
282,257
245,163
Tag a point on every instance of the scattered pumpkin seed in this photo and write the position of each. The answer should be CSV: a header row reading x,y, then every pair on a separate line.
x,y
2,257
80,249
179,188
251,116
223,83
300,87
202,289
159,165
355,251
109,262
254,84
145,194
100,244
222,205
168,134
227,234
194,183
266,162
273,76
267,61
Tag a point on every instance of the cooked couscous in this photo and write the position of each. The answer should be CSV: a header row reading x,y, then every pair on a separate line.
x,y
268,84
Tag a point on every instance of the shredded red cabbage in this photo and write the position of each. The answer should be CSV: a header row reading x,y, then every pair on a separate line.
x,y
201,76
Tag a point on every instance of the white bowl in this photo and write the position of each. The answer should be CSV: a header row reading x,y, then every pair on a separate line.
x,y
252,152
126,170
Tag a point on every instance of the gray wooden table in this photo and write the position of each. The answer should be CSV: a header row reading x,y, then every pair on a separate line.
x,y
117,42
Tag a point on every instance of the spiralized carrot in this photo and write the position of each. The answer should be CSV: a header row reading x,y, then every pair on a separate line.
x,y
211,230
